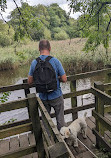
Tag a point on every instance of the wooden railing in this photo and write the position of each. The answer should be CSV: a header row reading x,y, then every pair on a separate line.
x,y
44,149
102,106
32,102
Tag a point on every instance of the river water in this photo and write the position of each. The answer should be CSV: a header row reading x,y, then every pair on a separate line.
x,y
16,77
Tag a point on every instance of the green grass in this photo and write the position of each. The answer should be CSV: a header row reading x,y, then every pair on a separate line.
x,y
71,55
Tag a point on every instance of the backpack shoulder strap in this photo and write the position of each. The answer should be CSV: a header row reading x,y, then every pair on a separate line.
x,y
48,58
37,59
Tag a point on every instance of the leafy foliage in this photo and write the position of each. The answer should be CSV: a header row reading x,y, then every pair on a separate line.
x,y
94,22
3,4
4,97
6,34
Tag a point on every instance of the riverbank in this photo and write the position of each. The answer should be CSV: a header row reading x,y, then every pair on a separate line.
x,y
71,55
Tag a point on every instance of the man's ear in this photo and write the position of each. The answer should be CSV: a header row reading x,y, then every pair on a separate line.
x,y
50,49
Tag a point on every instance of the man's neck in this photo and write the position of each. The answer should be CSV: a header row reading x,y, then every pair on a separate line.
x,y
45,52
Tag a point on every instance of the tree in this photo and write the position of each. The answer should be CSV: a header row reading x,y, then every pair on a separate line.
x,y
3,4
41,21
94,23
6,34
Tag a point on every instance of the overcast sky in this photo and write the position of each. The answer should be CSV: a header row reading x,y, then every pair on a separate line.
x,y
62,3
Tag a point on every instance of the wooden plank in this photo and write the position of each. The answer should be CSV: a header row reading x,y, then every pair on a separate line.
x,y
76,109
15,124
55,133
104,143
46,137
21,103
34,113
87,142
31,139
91,122
58,150
90,135
16,87
88,74
76,93
27,91
107,136
32,142
107,86
106,123
99,108
15,130
100,94
14,144
20,152
73,99
86,154
4,146
24,142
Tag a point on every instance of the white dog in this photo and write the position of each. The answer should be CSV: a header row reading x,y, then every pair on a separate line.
x,y
79,125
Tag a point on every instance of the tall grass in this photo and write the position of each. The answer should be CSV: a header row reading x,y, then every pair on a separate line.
x,y
71,55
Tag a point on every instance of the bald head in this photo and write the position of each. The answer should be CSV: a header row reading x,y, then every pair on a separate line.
x,y
44,45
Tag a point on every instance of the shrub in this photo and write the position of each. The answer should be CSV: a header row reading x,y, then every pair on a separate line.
x,y
62,35
4,40
47,34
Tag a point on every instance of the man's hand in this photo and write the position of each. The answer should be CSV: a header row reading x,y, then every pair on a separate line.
x,y
63,78
30,79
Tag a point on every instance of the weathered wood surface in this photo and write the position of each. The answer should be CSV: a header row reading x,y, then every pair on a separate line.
x,y
105,122
53,130
15,130
34,113
22,141
88,74
100,94
22,103
28,140
73,99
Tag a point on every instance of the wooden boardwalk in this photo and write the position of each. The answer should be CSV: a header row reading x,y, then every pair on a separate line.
x,y
25,140
16,143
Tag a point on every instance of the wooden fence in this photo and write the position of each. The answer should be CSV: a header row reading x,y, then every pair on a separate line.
x,y
102,106
48,147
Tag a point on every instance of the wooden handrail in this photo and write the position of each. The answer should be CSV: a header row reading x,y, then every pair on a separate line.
x,y
70,78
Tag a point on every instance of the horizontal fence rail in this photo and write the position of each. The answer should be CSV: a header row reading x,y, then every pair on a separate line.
x,y
88,74
70,78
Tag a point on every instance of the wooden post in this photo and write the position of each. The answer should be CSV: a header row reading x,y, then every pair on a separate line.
x,y
27,91
108,80
73,99
99,108
34,113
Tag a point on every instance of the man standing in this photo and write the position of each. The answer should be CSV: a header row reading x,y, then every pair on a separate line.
x,y
53,98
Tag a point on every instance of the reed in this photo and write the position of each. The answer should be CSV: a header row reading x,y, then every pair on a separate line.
x,y
69,53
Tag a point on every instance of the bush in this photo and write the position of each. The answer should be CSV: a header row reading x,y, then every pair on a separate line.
x,y
4,40
62,35
47,34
